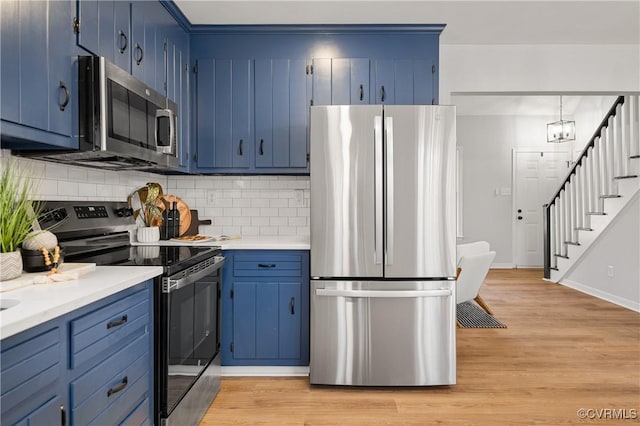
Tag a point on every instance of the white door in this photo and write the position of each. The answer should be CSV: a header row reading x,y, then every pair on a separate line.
x,y
537,175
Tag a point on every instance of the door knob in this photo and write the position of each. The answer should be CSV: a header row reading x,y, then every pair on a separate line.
x,y
519,210
519,217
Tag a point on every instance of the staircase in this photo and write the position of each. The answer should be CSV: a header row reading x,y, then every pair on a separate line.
x,y
601,183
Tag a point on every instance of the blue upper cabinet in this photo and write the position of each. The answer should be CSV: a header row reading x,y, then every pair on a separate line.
x,y
404,81
104,30
351,65
37,93
340,81
281,104
224,101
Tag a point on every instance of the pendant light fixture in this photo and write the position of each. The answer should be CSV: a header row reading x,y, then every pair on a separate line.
x,y
561,131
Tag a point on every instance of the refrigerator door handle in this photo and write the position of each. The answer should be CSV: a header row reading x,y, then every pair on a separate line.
x,y
388,294
377,191
388,130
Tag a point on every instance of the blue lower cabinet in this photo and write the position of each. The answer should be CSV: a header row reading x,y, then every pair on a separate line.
x,y
265,316
50,374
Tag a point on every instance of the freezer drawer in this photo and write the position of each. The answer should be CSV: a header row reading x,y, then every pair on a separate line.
x,y
383,333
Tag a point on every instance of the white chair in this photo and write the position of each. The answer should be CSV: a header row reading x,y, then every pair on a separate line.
x,y
474,261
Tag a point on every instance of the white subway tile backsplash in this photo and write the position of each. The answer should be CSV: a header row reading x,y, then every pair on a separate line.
x,y
237,205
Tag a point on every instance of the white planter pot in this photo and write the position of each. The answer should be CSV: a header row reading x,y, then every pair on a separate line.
x,y
10,265
148,234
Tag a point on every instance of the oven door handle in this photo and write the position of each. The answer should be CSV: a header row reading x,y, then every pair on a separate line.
x,y
169,285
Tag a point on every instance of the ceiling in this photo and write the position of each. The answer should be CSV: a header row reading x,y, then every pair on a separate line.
x,y
468,22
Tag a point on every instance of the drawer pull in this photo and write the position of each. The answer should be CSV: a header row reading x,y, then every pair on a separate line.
x,y
292,305
118,388
117,323
63,416
266,265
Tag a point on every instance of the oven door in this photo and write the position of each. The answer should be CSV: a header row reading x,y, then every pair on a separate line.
x,y
188,331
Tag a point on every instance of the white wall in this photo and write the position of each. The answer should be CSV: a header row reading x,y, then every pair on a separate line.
x,y
538,68
488,143
618,247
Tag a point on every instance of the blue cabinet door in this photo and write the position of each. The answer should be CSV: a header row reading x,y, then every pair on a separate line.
x,y
289,320
122,35
34,84
61,70
424,82
143,42
281,104
405,82
322,81
349,81
37,73
32,376
224,90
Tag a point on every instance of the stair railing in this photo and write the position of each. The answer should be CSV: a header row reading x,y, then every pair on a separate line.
x,y
579,196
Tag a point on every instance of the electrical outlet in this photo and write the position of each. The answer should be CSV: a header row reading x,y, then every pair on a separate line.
x,y
610,271
299,197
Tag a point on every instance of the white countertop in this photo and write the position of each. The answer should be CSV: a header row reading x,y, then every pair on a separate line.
x,y
244,243
43,302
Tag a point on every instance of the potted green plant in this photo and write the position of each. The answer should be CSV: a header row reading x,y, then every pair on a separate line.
x,y
18,212
148,207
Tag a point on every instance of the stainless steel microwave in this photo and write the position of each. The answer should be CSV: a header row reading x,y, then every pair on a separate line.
x,y
122,123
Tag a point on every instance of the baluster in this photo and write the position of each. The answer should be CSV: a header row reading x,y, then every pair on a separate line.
x,y
586,220
605,144
595,201
621,145
575,198
578,202
568,213
634,121
552,235
559,225
612,187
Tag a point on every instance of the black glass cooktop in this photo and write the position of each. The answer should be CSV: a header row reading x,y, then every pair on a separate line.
x,y
171,258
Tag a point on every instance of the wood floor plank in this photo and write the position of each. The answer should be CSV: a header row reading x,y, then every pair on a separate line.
x,y
562,351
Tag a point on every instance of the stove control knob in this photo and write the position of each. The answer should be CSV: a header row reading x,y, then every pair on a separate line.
x,y
124,212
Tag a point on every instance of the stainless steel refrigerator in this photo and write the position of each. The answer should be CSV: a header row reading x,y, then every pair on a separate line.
x,y
383,245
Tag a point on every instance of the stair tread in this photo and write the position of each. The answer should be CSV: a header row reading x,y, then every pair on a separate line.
x,y
626,177
564,256
597,213
611,196
573,243
583,229
635,156
554,268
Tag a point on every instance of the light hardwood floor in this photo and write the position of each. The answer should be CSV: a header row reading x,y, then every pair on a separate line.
x,y
562,351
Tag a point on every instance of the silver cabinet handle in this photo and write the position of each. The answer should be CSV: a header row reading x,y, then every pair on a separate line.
x,y
389,294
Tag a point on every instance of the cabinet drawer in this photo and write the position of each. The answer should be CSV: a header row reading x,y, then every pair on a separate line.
x,y
109,370
273,265
115,397
102,332
139,416
29,369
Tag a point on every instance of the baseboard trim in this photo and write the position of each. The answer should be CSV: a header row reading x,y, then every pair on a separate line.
x,y
502,265
264,371
617,300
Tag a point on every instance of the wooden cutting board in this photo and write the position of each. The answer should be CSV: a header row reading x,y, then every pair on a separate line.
x,y
183,208
195,223
71,270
